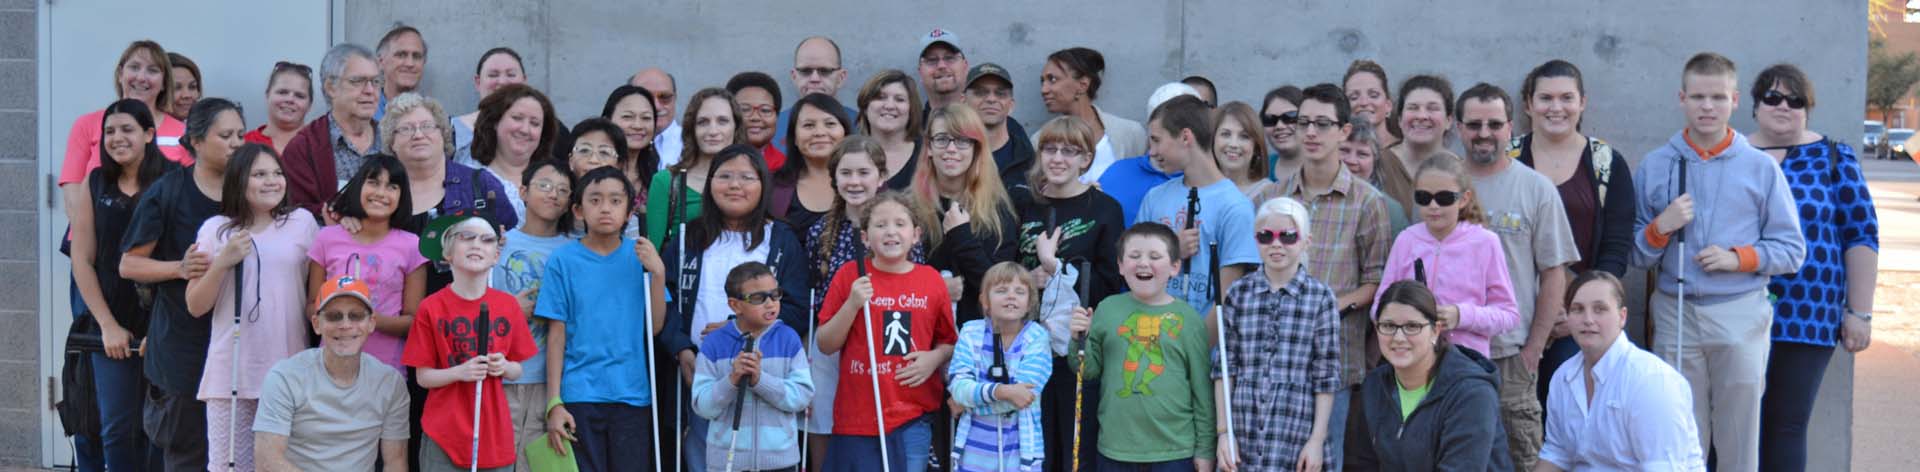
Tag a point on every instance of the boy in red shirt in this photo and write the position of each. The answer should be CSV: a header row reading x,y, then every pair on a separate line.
x,y
912,336
444,349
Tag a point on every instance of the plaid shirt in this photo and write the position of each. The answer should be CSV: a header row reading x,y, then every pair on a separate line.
x,y
1285,347
1351,237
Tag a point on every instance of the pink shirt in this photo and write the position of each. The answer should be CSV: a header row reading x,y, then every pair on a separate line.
x,y
1467,270
383,266
273,323
83,145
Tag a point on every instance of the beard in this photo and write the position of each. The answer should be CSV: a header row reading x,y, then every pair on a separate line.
x,y
1478,157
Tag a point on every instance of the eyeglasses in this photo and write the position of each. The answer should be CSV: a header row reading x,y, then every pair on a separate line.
x,y
731,177
469,236
296,67
762,109
1320,125
1286,238
943,140
1062,150
603,152
984,93
1288,118
1443,198
362,82
1773,98
815,71
938,60
551,188
1409,329
420,128
336,316
1490,125
761,298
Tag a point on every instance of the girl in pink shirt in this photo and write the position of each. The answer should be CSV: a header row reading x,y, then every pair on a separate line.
x,y
1460,261
386,258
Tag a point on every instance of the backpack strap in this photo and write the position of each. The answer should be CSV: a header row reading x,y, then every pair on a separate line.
x,y
1602,162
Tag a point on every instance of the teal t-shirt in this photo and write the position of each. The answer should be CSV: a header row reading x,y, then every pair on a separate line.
x,y
522,260
602,300
1156,392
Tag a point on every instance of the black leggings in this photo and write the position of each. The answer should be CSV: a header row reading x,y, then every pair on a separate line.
x,y
1794,371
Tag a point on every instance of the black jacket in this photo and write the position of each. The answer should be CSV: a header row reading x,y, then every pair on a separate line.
x,y
784,253
1016,158
1455,428
1613,224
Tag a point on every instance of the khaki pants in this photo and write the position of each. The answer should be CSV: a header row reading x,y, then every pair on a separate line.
x,y
1723,355
1520,411
527,406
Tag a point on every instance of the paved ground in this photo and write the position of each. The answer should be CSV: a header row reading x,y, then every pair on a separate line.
x,y
1886,419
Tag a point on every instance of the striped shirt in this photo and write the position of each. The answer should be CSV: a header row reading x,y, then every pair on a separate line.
x,y
1284,347
1351,237
1028,361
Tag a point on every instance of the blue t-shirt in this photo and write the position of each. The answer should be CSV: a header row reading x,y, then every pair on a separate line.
x,y
603,301
522,261
1128,180
1226,217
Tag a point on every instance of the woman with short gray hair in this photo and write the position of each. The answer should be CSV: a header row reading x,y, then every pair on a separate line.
x,y
418,133
327,151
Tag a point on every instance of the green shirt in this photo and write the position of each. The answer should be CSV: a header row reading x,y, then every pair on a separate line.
x,y
657,195
1156,393
1410,399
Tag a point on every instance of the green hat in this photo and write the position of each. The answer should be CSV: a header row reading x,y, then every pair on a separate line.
x,y
432,241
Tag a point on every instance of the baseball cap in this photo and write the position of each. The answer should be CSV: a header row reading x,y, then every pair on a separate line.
x,y
940,36
433,240
344,286
988,69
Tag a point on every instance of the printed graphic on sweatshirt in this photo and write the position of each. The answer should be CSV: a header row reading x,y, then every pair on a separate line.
x,y
1030,232
464,342
1146,358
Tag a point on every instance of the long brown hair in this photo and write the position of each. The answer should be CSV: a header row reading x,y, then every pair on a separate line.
x,y
830,223
986,198
690,133
871,91
1249,123
486,138
233,189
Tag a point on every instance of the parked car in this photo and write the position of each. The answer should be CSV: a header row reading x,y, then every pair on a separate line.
x,y
1875,136
1898,145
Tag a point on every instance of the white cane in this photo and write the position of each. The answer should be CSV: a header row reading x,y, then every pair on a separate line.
x,y
873,368
1220,335
653,393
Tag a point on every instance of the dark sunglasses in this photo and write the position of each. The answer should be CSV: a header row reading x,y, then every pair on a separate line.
x,y
1286,238
1275,120
761,298
1444,198
1774,97
302,69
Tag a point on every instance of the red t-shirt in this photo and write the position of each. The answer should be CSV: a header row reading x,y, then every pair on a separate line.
x,y
911,313
441,337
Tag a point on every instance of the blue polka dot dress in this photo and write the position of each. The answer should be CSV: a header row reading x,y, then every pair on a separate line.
x,y
1836,213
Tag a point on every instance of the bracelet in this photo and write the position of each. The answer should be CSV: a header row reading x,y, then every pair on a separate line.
x,y
1862,315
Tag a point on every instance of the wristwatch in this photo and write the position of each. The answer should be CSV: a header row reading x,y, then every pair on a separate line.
x,y
1862,315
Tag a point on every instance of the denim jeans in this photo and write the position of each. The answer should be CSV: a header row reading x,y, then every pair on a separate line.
x,y
908,448
1794,372
87,451
119,386
695,453
1337,427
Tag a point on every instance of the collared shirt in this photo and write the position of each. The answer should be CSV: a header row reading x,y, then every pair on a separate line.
x,y
1350,243
1640,416
346,159
667,141
1284,347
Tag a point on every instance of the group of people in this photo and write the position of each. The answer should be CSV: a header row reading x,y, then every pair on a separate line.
x,y
1343,275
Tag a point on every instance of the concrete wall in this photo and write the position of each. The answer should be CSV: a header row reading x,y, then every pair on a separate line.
x,y
20,400
1631,51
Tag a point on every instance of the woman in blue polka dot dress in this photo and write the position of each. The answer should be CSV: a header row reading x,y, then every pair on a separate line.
x,y
1830,301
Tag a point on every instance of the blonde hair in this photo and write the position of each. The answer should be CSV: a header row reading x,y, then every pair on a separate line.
x,y
1011,272
405,103
1471,212
986,198
1064,129
1288,208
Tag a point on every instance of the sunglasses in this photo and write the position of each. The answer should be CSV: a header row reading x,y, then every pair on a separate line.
x,y
1275,120
299,68
1443,198
1773,98
761,298
1286,238
337,316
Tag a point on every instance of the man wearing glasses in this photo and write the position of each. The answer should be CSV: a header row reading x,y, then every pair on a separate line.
x,y
816,69
990,92
942,66
327,407
1525,209
1348,247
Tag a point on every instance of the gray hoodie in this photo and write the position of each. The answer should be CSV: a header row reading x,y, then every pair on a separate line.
x,y
1456,427
1740,199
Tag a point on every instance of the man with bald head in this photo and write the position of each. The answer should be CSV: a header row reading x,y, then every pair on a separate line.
x,y
666,138
816,69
